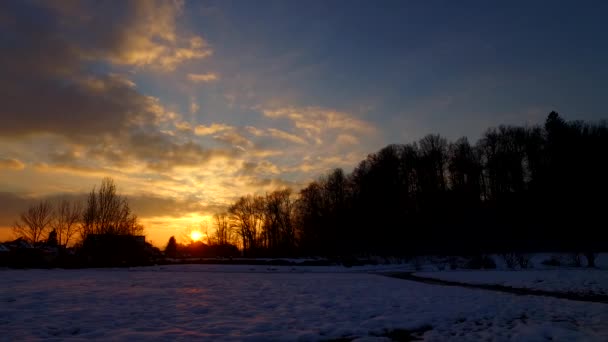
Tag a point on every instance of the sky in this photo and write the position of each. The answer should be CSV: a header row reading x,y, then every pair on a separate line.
x,y
189,105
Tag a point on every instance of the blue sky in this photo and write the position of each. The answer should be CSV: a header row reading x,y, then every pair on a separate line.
x,y
410,68
188,105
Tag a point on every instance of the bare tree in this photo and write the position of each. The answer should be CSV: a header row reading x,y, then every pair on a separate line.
x,y
34,222
106,212
278,227
65,220
222,235
247,217
433,159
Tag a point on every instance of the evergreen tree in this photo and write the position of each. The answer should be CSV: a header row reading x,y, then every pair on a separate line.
x,y
52,239
171,249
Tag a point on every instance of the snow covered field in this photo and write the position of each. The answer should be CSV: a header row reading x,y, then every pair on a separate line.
x,y
587,281
207,302
541,277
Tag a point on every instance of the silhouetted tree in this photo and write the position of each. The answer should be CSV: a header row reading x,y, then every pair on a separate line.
x,y
538,188
247,218
591,256
171,248
66,218
432,161
223,234
310,220
464,169
278,229
106,212
52,239
34,222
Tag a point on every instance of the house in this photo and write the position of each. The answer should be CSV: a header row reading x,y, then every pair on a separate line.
x,y
23,254
4,254
20,243
114,250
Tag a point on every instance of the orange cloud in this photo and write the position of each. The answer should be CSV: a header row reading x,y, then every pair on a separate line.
x,y
234,139
320,124
203,78
12,164
277,133
211,129
347,139
194,107
145,34
316,119
255,131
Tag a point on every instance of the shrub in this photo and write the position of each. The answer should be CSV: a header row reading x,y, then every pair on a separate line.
x,y
552,261
575,260
481,262
510,259
523,260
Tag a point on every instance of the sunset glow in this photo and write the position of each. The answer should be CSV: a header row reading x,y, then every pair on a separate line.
x,y
189,105
196,235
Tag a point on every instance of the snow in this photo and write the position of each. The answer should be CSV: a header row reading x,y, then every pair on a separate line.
x,y
280,269
588,281
261,303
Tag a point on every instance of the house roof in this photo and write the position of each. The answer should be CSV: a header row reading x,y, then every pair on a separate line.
x,y
20,243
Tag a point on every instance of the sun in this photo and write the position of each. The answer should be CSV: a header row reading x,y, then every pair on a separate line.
x,y
195,235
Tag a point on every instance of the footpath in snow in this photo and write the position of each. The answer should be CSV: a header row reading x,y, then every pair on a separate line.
x,y
583,281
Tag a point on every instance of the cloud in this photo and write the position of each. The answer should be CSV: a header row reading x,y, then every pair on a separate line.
x,y
160,152
183,126
234,139
277,133
321,124
258,168
316,119
144,205
152,205
73,108
255,131
211,129
52,72
53,84
12,164
194,107
203,78
10,206
346,139
270,184
141,33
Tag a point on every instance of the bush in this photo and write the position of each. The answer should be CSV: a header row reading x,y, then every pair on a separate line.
x,y
552,261
510,260
481,262
576,260
523,260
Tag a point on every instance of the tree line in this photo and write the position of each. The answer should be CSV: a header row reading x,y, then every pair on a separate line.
x,y
104,212
517,189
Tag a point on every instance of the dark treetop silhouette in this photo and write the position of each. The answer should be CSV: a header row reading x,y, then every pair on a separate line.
x,y
517,189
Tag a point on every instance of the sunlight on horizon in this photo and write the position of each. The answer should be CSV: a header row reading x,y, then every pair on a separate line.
x,y
196,235
159,229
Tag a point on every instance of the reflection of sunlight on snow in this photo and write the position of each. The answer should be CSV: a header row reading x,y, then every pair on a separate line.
x,y
186,302
192,290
